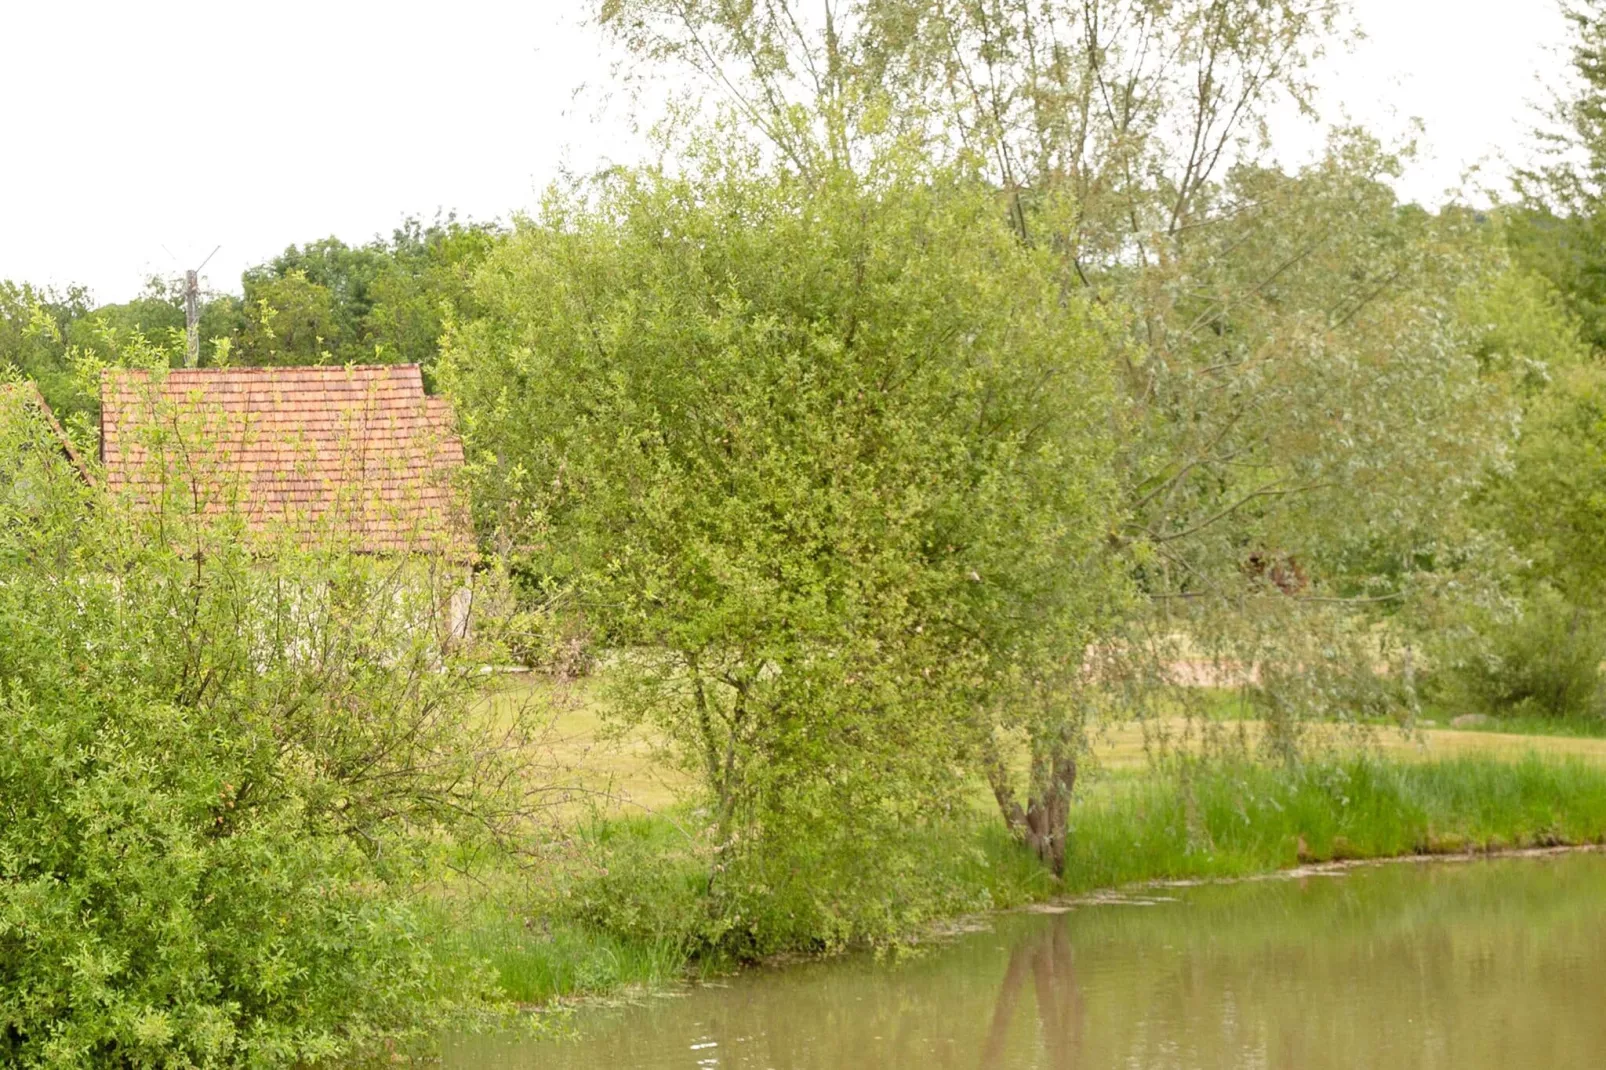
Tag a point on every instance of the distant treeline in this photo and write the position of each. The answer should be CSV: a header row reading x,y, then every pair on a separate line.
x,y
386,301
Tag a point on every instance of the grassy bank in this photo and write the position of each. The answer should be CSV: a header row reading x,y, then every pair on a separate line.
x,y
631,918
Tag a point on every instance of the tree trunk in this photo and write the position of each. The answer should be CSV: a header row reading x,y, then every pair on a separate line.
x,y
1043,824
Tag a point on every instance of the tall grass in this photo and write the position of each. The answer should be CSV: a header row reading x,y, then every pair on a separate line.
x,y
633,922
1241,820
536,960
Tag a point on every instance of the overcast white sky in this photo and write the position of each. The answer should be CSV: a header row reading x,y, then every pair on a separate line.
x,y
139,135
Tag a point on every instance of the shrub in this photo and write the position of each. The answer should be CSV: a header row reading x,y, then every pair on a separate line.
x,y
223,758
151,914
1545,663
647,885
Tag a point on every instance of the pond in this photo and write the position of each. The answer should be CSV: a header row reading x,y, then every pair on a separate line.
x,y
1476,964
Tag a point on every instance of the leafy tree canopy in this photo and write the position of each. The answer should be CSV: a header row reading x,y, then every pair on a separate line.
x,y
827,454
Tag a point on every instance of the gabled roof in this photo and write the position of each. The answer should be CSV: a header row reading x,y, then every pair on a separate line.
x,y
30,397
357,451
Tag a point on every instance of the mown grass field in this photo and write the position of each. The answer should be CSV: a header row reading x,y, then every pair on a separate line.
x,y
631,774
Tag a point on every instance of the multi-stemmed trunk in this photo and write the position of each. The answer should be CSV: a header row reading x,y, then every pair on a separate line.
x,y
1043,823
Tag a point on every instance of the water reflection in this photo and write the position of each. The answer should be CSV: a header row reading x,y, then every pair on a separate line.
x,y
1043,954
1479,966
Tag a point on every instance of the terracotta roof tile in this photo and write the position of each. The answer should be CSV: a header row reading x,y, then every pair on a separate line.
x,y
358,448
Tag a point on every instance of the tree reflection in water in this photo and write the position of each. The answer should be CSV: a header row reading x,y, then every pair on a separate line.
x,y
1045,955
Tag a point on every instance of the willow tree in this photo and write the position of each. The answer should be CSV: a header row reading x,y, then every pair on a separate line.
x,y
1562,193
825,458
1304,404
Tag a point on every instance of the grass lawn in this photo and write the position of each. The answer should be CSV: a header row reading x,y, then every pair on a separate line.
x,y
620,773
630,774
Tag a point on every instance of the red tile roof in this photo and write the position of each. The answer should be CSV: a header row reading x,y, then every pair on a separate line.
x,y
356,451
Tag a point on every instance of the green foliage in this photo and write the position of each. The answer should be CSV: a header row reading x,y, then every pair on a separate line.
x,y
1317,378
152,917
648,885
44,335
1317,396
826,459
324,302
1565,250
635,921
226,754
537,959
643,879
1522,326
1227,821
1551,504
157,313
34,332
634,912
1543,659
1538,651
293,320
327,302
1557,233
846,442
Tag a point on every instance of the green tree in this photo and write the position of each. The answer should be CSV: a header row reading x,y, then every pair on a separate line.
x,y
425,286
45,334
1553,503
292,319
1561,230
1306,413
1540,647
225,755
34,329
386,301
157,312
827,460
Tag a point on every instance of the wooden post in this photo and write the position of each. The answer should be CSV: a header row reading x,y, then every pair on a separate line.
x,y
192,318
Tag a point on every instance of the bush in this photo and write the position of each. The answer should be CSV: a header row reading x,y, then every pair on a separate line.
x,y
641,880
147,918
1546,663
223,759
647,885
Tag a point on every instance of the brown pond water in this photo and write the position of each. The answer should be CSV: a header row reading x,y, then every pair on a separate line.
x,y
1485,965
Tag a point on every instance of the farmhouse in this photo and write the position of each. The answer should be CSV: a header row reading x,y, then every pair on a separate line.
x,y
355,453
